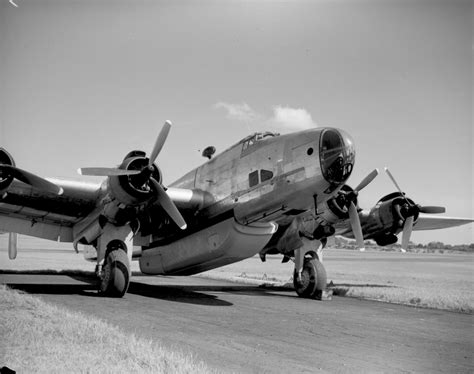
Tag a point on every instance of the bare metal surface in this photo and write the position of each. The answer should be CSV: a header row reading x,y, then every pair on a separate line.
x,y
244,328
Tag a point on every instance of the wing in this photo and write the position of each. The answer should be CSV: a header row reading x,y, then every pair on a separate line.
x,y
30,211
431,222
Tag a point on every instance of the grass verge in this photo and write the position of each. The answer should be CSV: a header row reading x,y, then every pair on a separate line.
x,y
40,337
439,281
414,296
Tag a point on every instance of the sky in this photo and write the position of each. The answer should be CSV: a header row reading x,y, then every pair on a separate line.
x,y
84,82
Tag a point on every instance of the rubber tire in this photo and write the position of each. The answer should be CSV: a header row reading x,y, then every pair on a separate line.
x,y
314,279
116,274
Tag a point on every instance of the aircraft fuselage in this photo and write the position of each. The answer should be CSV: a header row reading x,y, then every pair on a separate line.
x,y
262,179
272,176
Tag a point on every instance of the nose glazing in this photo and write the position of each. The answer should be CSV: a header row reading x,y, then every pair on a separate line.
x,y
337,155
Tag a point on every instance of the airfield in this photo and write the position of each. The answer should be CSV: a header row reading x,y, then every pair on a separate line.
x,y
243,327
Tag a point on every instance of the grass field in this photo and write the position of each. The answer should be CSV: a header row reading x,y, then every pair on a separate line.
x,y
41,338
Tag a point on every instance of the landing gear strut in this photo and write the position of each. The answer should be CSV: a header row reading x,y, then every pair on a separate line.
x,y
115,274
311,281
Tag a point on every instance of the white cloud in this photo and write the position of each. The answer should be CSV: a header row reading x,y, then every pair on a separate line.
x,y
238,112
292,119
284,118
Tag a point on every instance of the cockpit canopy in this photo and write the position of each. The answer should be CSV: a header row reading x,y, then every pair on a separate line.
x,y
255,138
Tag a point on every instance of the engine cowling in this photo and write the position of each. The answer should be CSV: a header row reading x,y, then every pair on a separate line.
x,y
387,218
132,190
5,179
336,208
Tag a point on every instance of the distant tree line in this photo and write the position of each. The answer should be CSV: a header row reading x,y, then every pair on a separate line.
x,y
431,247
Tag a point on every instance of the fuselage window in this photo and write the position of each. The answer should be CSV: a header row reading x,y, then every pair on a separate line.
x,y
265,175
253,178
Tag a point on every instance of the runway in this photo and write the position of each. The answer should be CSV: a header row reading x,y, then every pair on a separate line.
x,y
244,328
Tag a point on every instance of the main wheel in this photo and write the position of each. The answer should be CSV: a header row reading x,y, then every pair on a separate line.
x,y
313,279
115,274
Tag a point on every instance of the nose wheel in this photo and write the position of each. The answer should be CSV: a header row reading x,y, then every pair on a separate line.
x,y
311,281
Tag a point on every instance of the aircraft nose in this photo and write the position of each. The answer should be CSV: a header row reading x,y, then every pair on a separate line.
x,y
337,155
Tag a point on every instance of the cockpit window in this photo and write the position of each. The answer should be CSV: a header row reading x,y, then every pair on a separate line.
x,y
253,178
248,144
251,140
265,175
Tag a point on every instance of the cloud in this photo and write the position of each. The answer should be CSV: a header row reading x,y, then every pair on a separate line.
x,y
283,119
238,112
292,119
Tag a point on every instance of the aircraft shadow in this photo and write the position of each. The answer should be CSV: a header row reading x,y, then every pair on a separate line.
x,y
182,294
87,286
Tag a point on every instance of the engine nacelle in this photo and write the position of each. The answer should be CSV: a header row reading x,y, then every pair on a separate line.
x,y
335,209
134,190
387,217
5,179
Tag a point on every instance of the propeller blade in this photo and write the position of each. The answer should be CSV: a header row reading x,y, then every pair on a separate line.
x,y
396,185
407,228
106,172
12,245
368,179
432,209
32,179
356,228
393,180
160,142
168,205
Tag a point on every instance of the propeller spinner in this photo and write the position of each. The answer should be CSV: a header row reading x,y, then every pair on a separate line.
x,y
145,175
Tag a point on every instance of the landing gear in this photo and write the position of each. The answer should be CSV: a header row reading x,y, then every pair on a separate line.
x,y
311,281
115,275
114,255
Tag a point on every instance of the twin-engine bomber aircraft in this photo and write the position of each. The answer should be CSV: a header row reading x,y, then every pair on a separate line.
x,y
267,194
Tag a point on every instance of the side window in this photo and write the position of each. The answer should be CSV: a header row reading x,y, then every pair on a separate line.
x,y
265,175
253,178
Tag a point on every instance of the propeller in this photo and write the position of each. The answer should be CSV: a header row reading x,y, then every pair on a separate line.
x,y
407,229
160,142
356,228
368,179
432,209
413,209
145,175
31,179
353,214
168,205
106,172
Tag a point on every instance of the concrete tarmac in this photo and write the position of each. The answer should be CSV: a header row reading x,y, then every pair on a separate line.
x,y
244,328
